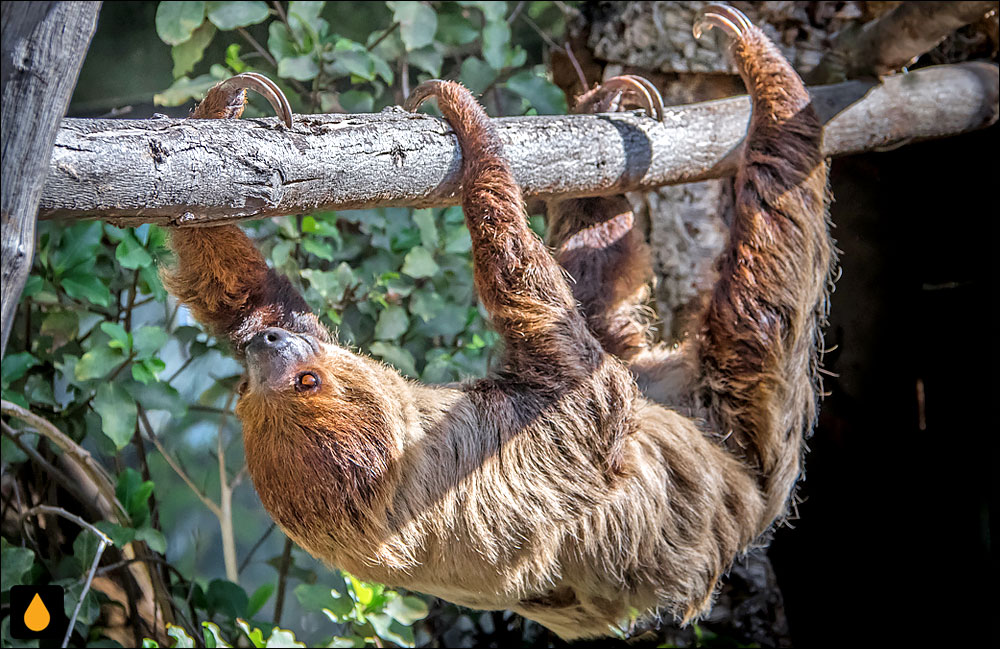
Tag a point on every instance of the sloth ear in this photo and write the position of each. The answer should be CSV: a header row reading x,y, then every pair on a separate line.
x,y
242,388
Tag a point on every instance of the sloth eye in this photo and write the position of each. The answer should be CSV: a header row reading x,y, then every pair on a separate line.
x,y
307,381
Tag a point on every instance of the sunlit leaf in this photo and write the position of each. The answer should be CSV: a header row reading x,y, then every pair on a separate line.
x,y
417,23
189,52
392,323
177,21
419,262
496,38
300,68
230,15
396,356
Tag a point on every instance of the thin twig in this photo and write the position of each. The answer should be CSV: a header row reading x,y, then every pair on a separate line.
x,y
256,546
103,541
205,500
257,46
64,481
226,502
393,27
513,14
286,560
545,37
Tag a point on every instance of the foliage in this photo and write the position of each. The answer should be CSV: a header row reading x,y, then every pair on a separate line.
x,y
101,352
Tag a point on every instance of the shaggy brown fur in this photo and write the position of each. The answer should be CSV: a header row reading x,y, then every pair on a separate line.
x,y
552,488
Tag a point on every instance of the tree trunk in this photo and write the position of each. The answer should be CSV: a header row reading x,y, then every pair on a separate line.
x,y
44,44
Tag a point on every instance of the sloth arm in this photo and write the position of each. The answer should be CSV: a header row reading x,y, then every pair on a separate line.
x,y
218,272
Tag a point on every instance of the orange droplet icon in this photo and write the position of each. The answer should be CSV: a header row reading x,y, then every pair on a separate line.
x,y
36,617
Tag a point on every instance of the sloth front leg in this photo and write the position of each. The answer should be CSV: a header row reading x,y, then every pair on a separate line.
x,y
596,241
516,278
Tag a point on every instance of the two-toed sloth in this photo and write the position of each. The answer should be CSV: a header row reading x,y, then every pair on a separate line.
x,y
591,475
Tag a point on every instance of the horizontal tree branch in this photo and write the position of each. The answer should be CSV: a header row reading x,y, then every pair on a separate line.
x,y
894,40
187,172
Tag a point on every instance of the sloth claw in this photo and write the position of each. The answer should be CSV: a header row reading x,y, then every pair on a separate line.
x,y
227,98
618,92
729,19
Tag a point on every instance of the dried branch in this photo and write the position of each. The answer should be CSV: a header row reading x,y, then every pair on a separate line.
x,y
44,44
894,40
200,172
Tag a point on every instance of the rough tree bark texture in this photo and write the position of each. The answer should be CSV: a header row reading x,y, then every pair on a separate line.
x,y
135,171
44,44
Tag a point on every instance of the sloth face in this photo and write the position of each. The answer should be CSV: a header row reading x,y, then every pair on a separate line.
x,y
279,360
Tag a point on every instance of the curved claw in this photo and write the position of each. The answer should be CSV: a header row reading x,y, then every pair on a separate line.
x,y
616,92
729,19
265,88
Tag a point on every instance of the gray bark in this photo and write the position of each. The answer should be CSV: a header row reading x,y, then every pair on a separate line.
x,y
894,40
44,44
196,173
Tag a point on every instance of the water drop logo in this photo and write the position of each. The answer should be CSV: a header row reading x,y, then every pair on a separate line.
x,y
37,616
37,612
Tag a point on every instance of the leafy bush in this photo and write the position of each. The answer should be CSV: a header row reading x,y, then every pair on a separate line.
x,y
138,398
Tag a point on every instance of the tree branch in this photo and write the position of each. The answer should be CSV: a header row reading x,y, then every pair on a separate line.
x,y
894,40
44,44
207,172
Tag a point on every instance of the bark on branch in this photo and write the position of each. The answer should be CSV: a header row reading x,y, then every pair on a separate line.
x,y
196,173
895,40
44,44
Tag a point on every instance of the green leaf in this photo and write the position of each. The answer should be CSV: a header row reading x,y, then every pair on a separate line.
x,y
148,341
357,101
16,563
455,29
230,15
153,538
149,643
427,59
157,396
120,536
407,609
300,68
227,598
85,549
182,639
188,53
255,635
419,262
79,247
118,413
352,58
282,638
133,493
428,229
86,286
426,304
307,11
120,339
15,366
417,23
544,96
233,59
492,11
392,323
315,597
184,89
259,598
148,370
98,363
61,323
391,630
396,356
280,41
318,247
476,75
176,21
457,240
496,37
213,635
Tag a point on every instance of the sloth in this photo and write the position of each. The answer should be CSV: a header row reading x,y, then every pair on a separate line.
x,y
591,478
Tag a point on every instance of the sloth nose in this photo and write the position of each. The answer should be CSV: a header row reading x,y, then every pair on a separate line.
x,y
272,337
